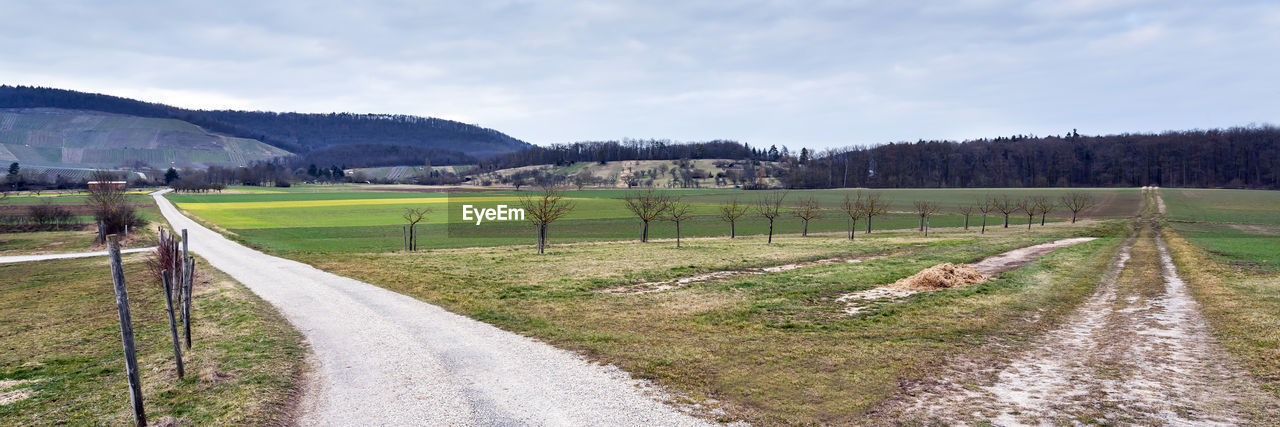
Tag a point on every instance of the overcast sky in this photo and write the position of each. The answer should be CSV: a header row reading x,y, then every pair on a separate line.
x,y
795,73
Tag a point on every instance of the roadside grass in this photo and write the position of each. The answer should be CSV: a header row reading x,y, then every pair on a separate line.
x,y
60,331
45,242
1241,305
772,348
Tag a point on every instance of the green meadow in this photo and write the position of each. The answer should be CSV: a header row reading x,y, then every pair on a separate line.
x,y
350,218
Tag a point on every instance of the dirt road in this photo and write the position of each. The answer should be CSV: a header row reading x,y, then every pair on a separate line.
x,y
1137,351
383,358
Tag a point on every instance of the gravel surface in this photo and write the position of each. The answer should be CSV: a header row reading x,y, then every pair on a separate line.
x,y
26,258
382,358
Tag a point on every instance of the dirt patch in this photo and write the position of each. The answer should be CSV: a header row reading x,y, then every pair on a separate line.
x,y
14,395
949,275
652,287
1257,229
997,264
941,276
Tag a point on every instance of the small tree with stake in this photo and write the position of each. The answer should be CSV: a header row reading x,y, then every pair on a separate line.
x,y
647,206
676,212
1043,206
874,206
853,206
413,216
1004,205
730,213
807,210
543,209
986,207
925,209
769,207
1027,207
1077,201
966,210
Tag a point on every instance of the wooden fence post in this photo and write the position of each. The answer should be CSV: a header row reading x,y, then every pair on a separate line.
x,y
182,284
404,235
126,332
186,305
173,324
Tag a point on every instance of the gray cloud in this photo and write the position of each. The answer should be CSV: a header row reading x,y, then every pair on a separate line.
x,y
816,74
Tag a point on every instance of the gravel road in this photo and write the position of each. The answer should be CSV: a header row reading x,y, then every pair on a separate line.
x,y
382,358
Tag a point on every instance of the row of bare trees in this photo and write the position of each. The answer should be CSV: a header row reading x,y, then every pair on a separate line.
x,y
549,205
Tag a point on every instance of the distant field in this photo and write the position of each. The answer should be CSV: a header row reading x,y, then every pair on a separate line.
x,y
1238,227
361,219
54,138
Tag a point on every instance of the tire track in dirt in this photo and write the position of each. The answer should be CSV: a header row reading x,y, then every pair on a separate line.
x,y
1137,351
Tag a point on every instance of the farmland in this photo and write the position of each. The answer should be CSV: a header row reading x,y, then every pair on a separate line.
x,y
77,239
347,219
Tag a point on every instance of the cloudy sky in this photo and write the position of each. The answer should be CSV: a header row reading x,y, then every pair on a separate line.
x,y
795,73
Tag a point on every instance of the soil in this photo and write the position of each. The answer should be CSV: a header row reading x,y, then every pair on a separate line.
x,y
666,285
1128,355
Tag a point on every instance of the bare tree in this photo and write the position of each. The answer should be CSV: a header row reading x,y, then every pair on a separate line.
x,y
647,205
1028,207
986,206
413,216
1077,201
853,206
874,206
925,209
109,202
676,212
730,213
807,210
1043,206
1004,205
769,207
544,208
966,210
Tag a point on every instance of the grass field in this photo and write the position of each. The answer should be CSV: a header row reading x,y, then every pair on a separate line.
x,y
365,219
1227,245
63,364
68,241
772,348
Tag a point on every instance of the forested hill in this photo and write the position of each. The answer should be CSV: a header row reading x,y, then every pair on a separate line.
x,y
295,132
1235,158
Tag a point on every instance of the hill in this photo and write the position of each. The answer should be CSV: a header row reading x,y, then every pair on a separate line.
x,y
294,132
90,139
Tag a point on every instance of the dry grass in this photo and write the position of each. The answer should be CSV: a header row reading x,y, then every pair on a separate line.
x,y
59,329
1242,307
941,276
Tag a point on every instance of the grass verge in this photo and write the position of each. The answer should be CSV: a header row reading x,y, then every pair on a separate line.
x,y
62,353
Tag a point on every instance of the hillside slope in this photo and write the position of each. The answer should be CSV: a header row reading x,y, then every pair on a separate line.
x,y
295,132
89,139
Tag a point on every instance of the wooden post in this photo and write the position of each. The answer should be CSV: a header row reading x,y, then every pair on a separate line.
x,y
186,305
182,284
404,235
173,325
126,332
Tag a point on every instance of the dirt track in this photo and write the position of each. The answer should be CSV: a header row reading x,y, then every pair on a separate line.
x,y
1137,351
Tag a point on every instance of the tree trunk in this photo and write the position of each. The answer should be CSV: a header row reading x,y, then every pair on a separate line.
x,y
984,224
1042,220
1073,217
644,232
731,230
1031,219
966,223
677,234
770,231
921,223
1006,221
926,227
868,224
804,230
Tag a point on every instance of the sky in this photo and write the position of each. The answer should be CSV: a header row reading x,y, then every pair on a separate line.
x,y
817,74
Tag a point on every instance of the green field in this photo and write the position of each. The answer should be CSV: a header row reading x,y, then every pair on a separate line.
x,y
368,218
1239,227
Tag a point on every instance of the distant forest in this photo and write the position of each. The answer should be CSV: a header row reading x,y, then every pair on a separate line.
x,y
295,132
1230,158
